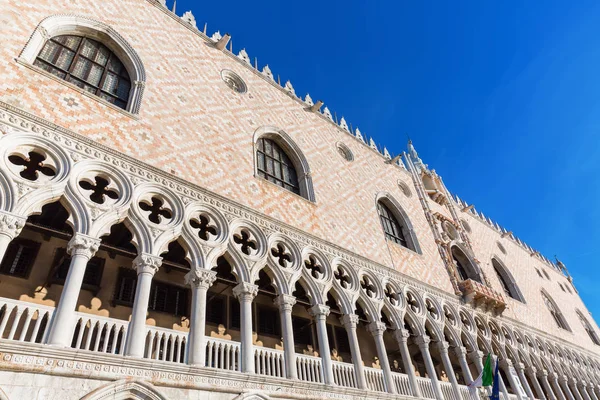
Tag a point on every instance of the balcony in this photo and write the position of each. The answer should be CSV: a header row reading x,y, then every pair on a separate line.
x,y
482,296
24,325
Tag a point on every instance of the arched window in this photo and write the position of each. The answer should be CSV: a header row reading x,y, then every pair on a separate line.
x,y
88,64
464,266
274,165
391,226
588,328
507,281
556,314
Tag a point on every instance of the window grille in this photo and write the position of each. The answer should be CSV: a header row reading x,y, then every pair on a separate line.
x,y
19,257
391,227
275,166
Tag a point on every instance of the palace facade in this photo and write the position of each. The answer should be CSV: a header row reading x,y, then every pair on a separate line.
x,y
175,223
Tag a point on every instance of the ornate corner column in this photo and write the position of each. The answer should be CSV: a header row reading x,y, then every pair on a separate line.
x,y
532,372
245,293
319,313
443,349
402,336
10,227
350,322
199,281
146,265
423,343
461,354
81,248
285,302
506,366
377,328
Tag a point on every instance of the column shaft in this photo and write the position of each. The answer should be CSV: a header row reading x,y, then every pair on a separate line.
x,y
423,342
320,313
443,349
146,266
200,281
531,371
81,248
547,387
565,386
350,322
556,388
583,391
506,367
521,372
461,354
377,329
245,293
285,303
402,336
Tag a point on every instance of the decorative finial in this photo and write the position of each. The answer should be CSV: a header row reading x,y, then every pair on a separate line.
x,y
344,125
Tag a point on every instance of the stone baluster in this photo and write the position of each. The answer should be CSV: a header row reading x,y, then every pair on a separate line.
x,y
245,293
461,354
377,328
285,302
423,343
146,265
10,227
81,248
199,280
402,336
443,350
320,312
350,322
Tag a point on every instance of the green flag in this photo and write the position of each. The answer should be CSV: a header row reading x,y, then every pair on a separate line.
x,y
487,377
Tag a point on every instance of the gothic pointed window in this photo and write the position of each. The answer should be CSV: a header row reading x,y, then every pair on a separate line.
x,y
555,312
506,281
275,166
393,230
465,266
588,328
87,64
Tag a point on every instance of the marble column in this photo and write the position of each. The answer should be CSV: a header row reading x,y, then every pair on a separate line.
x,y
443,350
532,372
350,322
519,367
476,357
461,354
285,302
10,227
590,390
146,265
543,375
558,392
423,343
199,280
320,312
81,248
564,384
582,389
377,328
245,293
506,366
402,336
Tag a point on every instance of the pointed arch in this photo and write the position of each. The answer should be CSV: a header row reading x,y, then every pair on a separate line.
x,y
588,328
507,281
395,222
286,149
464,264
125,389
78,25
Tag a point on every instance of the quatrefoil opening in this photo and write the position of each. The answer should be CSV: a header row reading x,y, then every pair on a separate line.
x,y
99,189
343,278
155,209
368,287
315,269
283,257
207,229
33,165
246,242
391,295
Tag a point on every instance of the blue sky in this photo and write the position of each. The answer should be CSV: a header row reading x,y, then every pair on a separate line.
x,y
501,98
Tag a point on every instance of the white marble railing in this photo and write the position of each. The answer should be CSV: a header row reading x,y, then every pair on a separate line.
x,y
343,374
374,378
269,362
511,396
96,333
447,391
402,383
23,321
165,344
465,394
426,387
309,368
223,354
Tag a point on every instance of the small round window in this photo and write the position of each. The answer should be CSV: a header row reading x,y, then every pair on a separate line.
x,y
502,249
234,81
405,189
345,152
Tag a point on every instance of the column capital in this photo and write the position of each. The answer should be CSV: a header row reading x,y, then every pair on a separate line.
x,y
443,346
201,278
350,321
402,335
319,311
460,351
423,341
475,354
83,245
542,373
506,363
285,302
245,291
147,264
377,328
11,224
533,370
519,366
